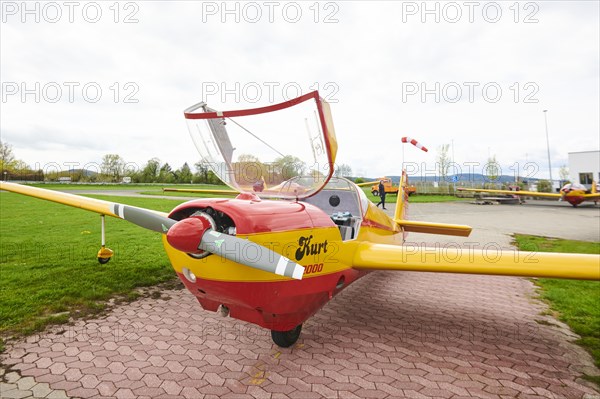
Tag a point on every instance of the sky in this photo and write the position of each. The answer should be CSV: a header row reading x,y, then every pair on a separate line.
x,y
85,79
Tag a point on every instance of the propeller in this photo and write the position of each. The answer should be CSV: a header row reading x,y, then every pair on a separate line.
x,y
144,218
196,234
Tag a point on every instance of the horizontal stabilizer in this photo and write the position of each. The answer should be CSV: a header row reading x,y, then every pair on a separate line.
x,y
434,228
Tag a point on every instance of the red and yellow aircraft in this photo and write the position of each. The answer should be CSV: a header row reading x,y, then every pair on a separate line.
x,y
572,193
286,245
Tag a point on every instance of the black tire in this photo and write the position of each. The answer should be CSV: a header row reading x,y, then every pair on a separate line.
x,y
285,339
375,193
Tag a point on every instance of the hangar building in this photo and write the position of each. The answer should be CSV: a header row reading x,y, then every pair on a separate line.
x,y
584,167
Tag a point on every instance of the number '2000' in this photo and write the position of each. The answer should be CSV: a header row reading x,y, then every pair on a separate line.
x,y
316,268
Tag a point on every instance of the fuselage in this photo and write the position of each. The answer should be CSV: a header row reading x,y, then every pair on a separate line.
x,y
323,242
573,196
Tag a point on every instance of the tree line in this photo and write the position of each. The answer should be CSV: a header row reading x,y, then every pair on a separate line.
x,y
113,168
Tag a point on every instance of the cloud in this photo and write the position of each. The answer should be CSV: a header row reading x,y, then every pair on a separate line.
x,y
364,63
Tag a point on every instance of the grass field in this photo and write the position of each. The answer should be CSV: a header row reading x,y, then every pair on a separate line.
x,y
390,199
191,195
156,189
48,262
577,303
131,186
415,198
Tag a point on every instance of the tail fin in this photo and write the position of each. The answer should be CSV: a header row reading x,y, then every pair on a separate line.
x,y
402,200
401,217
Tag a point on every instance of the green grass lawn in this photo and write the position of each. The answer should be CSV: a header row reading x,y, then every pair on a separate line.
x,y
191,195
415,198
390,199
48,267
156,189
577,303
130,186
433,198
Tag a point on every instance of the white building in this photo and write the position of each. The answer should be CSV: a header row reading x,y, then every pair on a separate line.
x,y
584,167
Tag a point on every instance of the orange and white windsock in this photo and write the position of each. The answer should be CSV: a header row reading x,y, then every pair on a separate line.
x,y
415,143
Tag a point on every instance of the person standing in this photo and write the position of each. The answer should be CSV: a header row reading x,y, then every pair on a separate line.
x,y
382,195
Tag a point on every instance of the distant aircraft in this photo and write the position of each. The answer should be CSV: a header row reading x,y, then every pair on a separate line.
x,y
295,236
572,193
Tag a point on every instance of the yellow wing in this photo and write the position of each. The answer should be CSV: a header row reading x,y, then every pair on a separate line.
x,y
200,190
591,196
146,218
367,183
370,256
527,193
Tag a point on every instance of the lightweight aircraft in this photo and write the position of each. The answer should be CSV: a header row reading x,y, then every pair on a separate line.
x,y
573,193
295,236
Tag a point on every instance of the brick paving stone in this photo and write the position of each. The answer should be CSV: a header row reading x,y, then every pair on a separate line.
x,y
65,385
214,390
73,375
11,377
16,394
129,384
168,376
25,383
59,394
49,378
4,386
84,393
125,393
300,384
40,390
324,390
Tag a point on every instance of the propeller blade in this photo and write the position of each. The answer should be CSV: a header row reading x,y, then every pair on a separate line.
x,y
250,254
195,234
143,218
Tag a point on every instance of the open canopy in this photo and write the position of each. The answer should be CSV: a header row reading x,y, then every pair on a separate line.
x,y
285,150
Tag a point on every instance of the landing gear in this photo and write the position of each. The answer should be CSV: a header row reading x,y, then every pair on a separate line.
x,y
285,339
104,254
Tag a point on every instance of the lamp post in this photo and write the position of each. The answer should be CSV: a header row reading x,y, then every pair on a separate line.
x,y
548,146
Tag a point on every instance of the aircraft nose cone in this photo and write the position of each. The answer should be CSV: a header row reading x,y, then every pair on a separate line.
x,y
186,234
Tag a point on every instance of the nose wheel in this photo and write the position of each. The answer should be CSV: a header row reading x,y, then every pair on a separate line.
x,y
285,339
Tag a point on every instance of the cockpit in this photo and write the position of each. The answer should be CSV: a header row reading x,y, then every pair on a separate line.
x,y
284,151
344,202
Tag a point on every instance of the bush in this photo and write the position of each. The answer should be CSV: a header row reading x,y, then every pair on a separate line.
x,y
544,186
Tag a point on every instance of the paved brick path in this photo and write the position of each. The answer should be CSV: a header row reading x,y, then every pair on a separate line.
x,y
389,335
